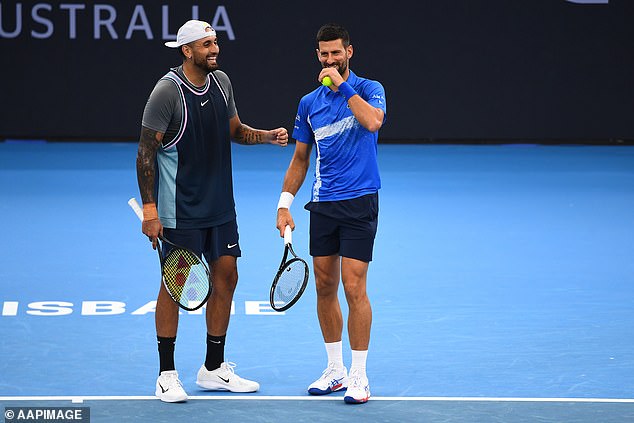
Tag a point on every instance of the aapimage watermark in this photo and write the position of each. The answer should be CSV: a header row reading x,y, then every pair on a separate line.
x,y
46,414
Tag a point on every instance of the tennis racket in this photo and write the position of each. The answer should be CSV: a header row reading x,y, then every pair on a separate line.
x,y
291,278
184,274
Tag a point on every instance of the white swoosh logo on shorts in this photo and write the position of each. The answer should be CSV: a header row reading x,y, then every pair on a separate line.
x,y
231,245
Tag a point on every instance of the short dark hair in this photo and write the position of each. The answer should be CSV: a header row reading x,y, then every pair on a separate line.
x,y
331,32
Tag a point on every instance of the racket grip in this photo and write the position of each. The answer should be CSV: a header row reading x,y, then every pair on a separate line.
x,y
137,209
288,235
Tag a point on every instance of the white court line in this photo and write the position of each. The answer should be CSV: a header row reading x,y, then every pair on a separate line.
x,y
80,399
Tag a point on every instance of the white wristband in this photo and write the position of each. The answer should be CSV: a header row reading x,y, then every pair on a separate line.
x,y
286,199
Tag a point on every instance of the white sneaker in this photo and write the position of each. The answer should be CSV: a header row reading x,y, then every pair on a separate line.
x,y
334,378
358,388
224,379
169,388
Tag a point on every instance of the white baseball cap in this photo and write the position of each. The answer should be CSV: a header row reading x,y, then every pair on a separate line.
x,y
191,31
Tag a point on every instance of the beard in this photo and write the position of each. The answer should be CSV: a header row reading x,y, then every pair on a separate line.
x,y
203,64
341,67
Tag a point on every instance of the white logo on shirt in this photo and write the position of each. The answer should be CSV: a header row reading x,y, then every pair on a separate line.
x,y
202,104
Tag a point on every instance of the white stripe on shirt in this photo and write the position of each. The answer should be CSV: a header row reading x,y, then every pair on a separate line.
x,y
336,128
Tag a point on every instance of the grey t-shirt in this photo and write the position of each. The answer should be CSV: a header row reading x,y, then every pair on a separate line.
x,y
163,110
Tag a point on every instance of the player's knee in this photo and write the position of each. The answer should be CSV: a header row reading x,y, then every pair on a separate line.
x,y
326,287
231,281
355,291
226,285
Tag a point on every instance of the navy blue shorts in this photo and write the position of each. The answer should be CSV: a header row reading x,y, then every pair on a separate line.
x,y
212,242
346,228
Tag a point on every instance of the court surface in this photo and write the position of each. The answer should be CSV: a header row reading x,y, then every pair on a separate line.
x,y
502,289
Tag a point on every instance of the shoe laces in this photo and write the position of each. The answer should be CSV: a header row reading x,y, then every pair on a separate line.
x,y
172,380
228,367
331,370
357,380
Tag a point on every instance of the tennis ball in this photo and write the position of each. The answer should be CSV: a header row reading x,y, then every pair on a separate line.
x,y
326,82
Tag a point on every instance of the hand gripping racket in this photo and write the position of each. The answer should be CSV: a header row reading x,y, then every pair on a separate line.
x,y
291,278
185,275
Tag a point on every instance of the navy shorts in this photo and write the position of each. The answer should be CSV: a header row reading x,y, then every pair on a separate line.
x,y
346,228
212,242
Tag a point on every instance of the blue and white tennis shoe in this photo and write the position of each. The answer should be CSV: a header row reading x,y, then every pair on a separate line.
x,y
333,379
358,389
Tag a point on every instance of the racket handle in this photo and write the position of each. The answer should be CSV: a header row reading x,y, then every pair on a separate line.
x,y
288,235
137,209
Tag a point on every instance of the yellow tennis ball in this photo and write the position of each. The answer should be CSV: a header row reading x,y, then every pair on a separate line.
x,y
326,82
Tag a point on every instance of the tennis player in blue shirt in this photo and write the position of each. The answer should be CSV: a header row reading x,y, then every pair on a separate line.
x,y
342,121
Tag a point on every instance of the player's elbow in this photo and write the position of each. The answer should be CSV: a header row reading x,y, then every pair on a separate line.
x,y
374,121
374,125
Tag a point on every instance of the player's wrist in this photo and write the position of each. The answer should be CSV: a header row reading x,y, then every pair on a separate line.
x,y
150,212
346,90
286,199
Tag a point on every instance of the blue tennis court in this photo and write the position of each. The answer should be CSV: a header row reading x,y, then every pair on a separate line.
x,y
502,289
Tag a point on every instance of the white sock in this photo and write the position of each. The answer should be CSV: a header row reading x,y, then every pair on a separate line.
x,y
335,354
359,359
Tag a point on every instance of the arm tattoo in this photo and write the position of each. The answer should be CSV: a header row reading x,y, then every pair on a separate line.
x,y
149,143
248,135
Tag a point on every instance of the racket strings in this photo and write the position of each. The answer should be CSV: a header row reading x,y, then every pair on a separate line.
x,y
185,276
289,282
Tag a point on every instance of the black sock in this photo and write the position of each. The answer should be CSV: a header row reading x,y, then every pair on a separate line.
x,y
166,353
215,351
